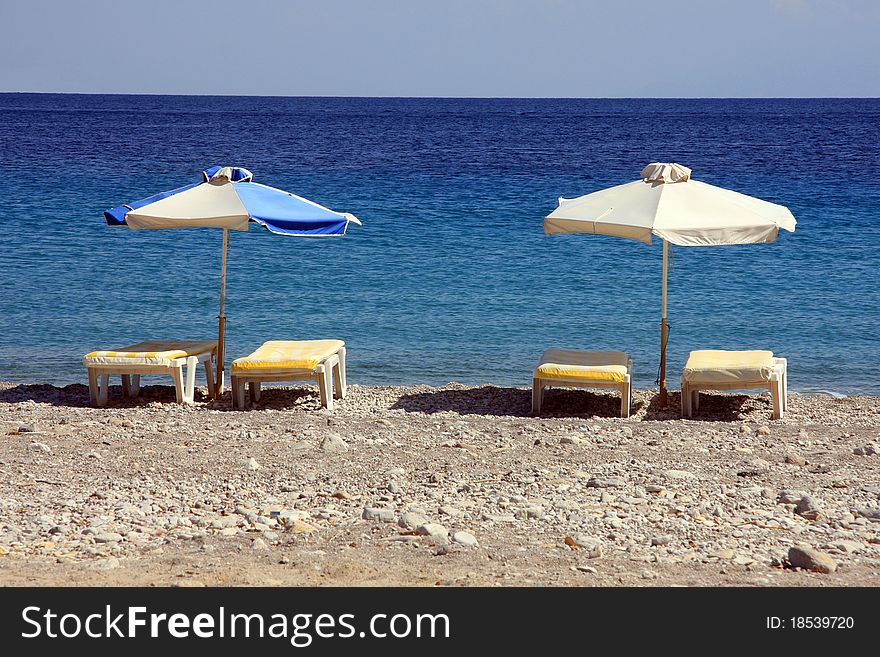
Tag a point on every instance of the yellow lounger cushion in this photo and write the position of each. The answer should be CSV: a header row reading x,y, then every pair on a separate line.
x,y
709,366
150,352
604,366
288,355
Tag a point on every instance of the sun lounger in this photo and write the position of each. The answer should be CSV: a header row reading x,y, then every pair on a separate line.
x,y
292,360
586,369
151,357
712,369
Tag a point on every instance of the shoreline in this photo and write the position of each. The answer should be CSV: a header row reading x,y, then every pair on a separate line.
x,y
420,485
159,381
723,405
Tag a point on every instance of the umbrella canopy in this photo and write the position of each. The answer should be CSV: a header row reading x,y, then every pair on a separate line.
x,y
228,198
668,203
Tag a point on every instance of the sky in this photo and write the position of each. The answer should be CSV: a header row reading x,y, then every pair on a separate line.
x,y
482,48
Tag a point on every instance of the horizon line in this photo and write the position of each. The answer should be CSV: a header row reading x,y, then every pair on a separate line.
x,y
426,97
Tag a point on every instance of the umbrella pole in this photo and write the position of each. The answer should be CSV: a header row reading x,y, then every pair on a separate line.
x,y
663,328
221,328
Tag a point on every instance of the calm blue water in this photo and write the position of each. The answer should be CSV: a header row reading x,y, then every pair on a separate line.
x,y
451,276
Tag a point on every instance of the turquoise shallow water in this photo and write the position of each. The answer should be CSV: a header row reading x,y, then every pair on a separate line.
x,y
451,277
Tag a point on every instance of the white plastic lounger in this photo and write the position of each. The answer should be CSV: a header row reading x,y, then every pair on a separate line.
x,y
712,369
292,360
151,357
584,369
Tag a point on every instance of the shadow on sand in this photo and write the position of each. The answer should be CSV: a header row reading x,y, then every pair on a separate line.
x,y
280,399
492,400
77,395
484,400
562,403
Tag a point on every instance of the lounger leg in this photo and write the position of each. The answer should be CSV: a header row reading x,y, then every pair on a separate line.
x,y
785,388
93,386
695,401
340,385
685,400
237,397
126,385
255,391
776,393
624,400
177,375
537,395
135,385
104,390
325,386
209,375
189,389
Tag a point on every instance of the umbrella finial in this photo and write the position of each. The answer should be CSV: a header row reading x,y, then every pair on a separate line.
x,y
222,175
666,172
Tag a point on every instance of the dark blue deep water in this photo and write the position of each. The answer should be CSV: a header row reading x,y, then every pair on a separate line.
x,y
451,276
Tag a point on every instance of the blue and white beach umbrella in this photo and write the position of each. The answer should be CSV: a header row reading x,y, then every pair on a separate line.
x,y
227,198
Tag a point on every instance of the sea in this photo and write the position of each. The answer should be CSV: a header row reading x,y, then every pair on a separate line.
x,y
451,277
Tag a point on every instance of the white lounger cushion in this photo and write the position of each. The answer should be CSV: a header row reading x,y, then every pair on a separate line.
x,y
277,355
161,353
569,364
715,366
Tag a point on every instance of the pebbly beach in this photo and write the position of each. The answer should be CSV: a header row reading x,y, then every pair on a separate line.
x,y
423,486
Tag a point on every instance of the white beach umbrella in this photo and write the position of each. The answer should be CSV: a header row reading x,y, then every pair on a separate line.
x,y
667,203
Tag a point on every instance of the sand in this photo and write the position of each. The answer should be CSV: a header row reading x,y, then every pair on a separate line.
x,y
455,485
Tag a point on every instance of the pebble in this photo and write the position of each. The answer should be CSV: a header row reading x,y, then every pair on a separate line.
x,y
252,464
805,557
499,517
763,431
374,513
412,520
465,538
682,475
450,511
333,444
41,447
605,482
107,537
866,450
754,468
591,546
795,459
259,544
725,553
789,496
808,507
436,531
847,547
871,514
